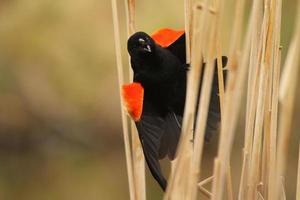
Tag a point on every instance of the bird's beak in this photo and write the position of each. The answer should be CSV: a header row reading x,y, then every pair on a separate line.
x,y
148,48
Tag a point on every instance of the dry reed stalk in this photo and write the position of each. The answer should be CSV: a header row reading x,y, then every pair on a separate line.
x,y
273,130
271,61
270,132
187,27
274,103
176,188
205,192
217,178
188,22
130,26
260,196
231,110
251,111
201,186
219,9
232,105
169,194
202,113
252,94
298,178
130,16
243,180
124,117
138,164
233,57
205,181
265,168
287,97
256,53
283,195
236,33
265,47
256,20
221,80
137,151
220,77
270,64
229,187
256,150
267,56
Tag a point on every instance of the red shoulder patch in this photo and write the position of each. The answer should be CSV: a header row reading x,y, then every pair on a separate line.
x,y
133,96
165,37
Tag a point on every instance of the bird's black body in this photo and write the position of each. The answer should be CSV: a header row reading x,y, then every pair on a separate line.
x,y
162,73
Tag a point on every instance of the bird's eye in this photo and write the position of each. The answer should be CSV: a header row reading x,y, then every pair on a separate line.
x,y
142,41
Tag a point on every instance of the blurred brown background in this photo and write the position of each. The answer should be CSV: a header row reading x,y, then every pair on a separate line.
x,y
60,127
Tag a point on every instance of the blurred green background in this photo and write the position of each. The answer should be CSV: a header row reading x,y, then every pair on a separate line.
x,y
60,127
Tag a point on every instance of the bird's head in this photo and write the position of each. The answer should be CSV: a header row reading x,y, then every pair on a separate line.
x,y
140,44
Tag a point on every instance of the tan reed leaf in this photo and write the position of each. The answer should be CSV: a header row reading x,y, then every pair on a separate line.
x,y
126,136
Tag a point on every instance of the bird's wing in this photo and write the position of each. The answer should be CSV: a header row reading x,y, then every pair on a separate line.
x,y
170,138
173,40
159,137
178,49
151,130
166,36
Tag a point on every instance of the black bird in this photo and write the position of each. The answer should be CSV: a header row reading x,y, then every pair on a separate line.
x,y
162,73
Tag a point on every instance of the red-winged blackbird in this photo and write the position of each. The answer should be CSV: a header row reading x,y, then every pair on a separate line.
x,y
160,71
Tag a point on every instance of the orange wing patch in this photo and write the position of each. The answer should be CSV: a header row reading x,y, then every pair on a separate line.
x,y
165,37
133,95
